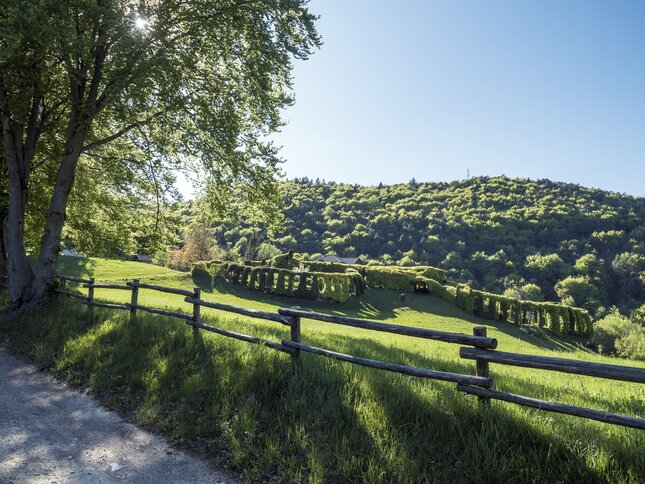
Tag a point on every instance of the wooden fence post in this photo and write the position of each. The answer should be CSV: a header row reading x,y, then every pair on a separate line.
x,y
197,295
481,366
295,332
134,299
63,285
90,299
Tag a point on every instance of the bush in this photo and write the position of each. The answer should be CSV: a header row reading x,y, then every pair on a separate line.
x,y
616,334
285,261
638,316
201,274
632,344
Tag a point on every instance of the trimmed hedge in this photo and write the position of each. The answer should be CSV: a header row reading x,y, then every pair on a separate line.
x,y
380,274
339,282
284,282
557,318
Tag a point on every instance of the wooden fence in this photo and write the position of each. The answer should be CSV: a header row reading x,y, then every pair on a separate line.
x,y
478,347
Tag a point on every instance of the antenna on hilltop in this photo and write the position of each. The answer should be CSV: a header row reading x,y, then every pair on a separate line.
x,y
468,174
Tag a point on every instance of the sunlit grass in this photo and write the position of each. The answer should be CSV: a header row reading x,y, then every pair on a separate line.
x,y
315,419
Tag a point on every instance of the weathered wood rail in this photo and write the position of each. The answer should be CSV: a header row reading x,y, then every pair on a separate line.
x,y
480,347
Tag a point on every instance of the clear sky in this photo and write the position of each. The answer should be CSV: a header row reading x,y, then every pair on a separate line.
x,y
431,89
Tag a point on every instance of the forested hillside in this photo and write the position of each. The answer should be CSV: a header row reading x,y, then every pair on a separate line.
x,y
535,239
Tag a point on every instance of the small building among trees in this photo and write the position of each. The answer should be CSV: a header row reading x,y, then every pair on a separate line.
x,y
145,258
335,258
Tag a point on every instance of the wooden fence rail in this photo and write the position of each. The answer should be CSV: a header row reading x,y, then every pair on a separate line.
x,y
481,348
446,337
562,365
579,367
607,417
384,365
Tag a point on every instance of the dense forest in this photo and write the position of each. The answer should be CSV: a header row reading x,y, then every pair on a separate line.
x,y
531,239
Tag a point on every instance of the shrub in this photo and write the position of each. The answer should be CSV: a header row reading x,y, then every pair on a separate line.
x,y
616,334
632,344
338,287
554,318
638,316
201,274
397,279
285,261
608,330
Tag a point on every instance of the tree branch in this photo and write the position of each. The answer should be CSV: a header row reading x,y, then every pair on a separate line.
x,y
118,134
110,138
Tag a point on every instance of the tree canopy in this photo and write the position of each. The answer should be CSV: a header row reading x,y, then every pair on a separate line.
x,y
116,94
492,233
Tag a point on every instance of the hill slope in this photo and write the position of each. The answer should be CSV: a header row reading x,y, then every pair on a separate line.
x,y
493,233
330,421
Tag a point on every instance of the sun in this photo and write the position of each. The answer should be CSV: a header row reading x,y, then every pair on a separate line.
x,y
140,23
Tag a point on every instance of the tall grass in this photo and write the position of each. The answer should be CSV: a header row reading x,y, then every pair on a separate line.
x,y
269,416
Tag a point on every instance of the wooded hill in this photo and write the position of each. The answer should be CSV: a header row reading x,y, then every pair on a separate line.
x,y
533,239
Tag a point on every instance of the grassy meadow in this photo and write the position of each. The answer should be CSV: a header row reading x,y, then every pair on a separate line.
x,y
269,417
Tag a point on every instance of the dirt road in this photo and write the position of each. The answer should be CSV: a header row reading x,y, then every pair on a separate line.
x,y
51,433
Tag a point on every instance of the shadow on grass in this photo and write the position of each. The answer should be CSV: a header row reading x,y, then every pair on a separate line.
x,y
382,305
75,266
312,418
363,307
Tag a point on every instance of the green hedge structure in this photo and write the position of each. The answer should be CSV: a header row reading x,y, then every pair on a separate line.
x,y
287,275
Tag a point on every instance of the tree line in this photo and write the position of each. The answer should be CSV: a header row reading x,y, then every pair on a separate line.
x,y
535,240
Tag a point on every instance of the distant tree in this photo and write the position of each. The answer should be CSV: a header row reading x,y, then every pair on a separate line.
x,y
608,241
408,260
288,242
580,291
531,292
481,230
252,246
628,268
527,292
267,251
590,265
199,245
546,269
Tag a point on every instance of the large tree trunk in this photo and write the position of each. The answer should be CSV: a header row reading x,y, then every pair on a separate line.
x,y
4,200
50,242
3,253
18,268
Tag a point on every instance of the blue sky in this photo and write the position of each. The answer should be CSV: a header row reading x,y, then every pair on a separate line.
x,y
434,89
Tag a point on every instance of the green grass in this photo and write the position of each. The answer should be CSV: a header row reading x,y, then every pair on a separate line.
x,y
319,420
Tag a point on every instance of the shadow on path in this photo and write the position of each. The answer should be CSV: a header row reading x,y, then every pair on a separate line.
x,y
51,433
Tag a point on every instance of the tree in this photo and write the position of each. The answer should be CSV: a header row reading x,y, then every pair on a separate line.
x,y
527,292
628,268
199,245
181,83
590,265
267,250
580,291
3,215
491,224
546,269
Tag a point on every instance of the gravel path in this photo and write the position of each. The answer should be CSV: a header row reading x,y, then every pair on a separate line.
x,y
51,433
